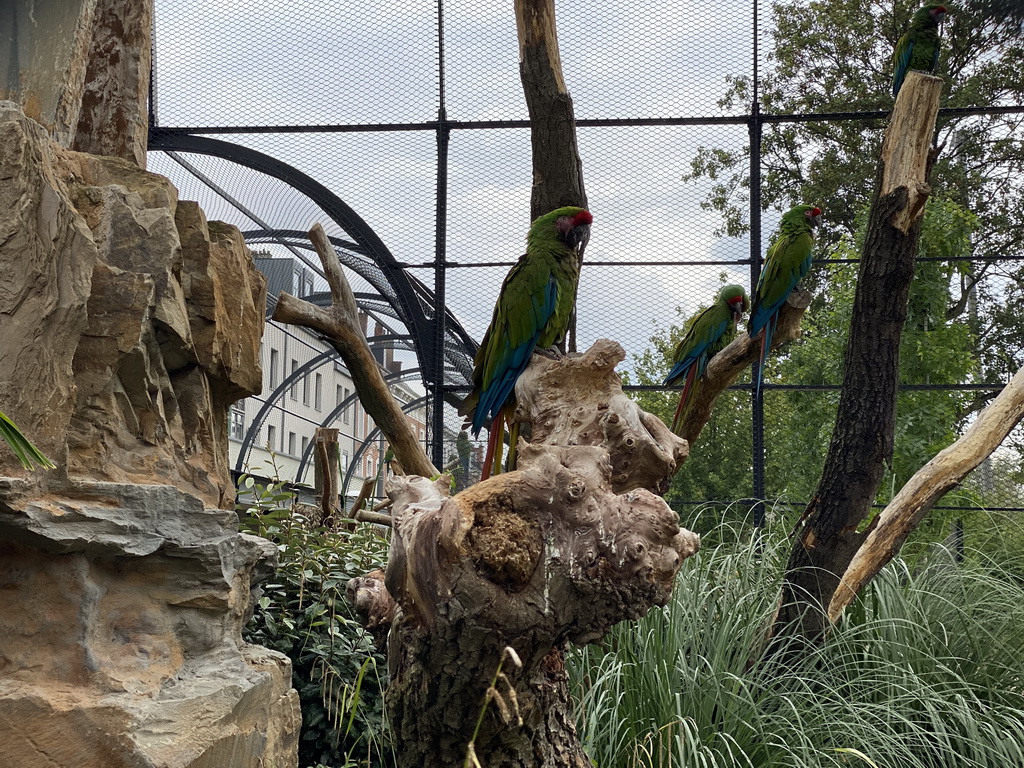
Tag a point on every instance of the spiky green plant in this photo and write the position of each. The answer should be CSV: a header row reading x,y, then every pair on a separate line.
x,y
926,671
23,449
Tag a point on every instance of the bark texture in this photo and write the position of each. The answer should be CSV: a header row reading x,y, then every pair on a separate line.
x,y
557,170
559,551
862,440
903,514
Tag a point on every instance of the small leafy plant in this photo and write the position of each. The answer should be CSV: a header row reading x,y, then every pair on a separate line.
x,y
302,612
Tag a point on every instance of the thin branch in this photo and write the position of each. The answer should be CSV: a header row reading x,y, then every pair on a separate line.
x,y
339,324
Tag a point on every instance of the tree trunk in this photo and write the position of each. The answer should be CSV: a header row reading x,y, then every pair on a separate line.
x,y
560,550
862,441
557,170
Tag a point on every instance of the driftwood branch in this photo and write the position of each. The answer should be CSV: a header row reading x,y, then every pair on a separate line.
x,y
731,362
903,514
862,440
339,324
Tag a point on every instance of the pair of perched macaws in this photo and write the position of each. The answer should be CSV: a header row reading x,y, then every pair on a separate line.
x,y
787,262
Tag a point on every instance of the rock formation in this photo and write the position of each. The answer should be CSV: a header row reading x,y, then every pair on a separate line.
x,y
128,325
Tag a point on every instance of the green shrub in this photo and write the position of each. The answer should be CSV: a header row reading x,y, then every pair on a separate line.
x,y
303,613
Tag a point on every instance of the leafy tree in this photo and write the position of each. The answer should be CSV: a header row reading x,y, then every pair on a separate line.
x,y
835,58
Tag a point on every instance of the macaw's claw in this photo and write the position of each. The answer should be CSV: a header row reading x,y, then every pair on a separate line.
x,y
552,353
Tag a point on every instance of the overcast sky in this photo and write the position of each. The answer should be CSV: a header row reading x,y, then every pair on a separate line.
x,y
264,62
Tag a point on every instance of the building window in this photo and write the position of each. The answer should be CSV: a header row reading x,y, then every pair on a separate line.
x,y
345,415
305,389
291,443
271,438
273,368
305,445
344,461
318,386
292,392
236,423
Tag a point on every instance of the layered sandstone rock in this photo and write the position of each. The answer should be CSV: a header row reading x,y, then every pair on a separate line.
x,y
128,325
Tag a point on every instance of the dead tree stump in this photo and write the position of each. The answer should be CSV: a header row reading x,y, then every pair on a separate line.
x,y
559,551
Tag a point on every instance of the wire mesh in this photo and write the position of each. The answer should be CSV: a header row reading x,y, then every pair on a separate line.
x,y
413,115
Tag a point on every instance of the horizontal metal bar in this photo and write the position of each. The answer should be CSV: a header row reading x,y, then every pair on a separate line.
x,y
454,125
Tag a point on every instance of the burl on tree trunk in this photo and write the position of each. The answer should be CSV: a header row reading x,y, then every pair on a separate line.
x,y
862,441
560,550
571,543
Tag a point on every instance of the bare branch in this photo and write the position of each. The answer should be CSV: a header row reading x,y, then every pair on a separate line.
x,y
339,324
903,514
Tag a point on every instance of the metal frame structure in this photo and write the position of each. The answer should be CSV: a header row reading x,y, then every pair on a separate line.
x,y
443,348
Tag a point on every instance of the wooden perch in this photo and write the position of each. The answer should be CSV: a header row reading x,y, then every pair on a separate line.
x,y
339,324
731,362
903,514
557,171
560,550
578,401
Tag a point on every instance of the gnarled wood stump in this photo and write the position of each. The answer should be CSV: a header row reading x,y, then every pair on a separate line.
x,y
571,543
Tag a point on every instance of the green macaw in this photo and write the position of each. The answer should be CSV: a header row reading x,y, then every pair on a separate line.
x,y
532,311
788,259
711,332
918,48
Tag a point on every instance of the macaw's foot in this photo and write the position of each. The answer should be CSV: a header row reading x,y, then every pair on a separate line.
x,y
552,353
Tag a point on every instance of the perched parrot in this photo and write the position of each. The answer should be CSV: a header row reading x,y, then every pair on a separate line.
x,y
788,259
918,48
532,311
710,333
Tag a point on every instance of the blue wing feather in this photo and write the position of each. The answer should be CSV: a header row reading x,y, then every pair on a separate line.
x,y
498,391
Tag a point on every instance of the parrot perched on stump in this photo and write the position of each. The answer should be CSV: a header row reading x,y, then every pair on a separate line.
x,y
532,312
710,333
918,48
788,259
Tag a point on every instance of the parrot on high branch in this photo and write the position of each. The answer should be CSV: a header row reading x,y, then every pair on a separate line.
x,y
918,48
788,259
711,332
532,311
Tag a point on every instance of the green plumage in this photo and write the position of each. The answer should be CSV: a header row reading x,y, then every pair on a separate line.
x,y
533,310
788,260
710,332
918,47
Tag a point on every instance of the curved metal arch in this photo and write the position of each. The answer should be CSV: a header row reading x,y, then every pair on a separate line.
x,y
460,347
410,299
374,433
286,383
338,409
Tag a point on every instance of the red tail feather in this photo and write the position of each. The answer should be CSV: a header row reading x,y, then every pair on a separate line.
x,y
691,376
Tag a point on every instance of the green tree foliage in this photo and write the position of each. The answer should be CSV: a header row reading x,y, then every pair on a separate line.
x,y
836,57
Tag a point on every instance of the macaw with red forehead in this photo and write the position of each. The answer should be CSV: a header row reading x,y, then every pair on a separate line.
x,y
787,262
710,332
918,48
532,312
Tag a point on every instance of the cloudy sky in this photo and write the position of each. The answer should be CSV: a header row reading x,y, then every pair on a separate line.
x,y
332,62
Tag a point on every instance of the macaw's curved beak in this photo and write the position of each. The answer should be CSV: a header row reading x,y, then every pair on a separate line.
x,y
737,306
579,237
815,220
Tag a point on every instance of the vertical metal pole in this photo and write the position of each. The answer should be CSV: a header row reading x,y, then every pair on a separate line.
x,y
757,401
440,245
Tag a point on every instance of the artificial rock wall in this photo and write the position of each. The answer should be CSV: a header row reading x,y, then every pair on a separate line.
x,y
128,325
